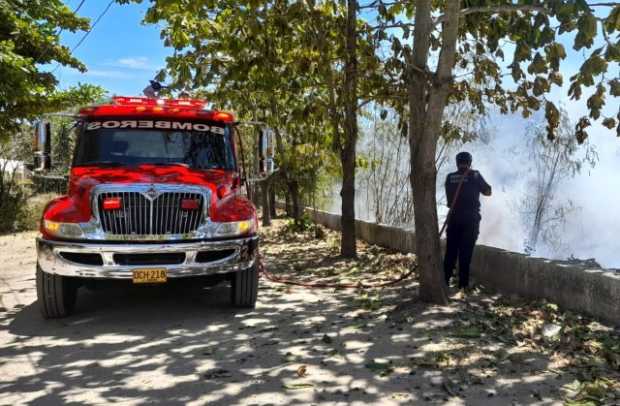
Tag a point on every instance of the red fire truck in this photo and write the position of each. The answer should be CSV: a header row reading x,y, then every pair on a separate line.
x,y
156,192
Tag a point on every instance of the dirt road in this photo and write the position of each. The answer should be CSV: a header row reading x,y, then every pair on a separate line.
x,y
185,345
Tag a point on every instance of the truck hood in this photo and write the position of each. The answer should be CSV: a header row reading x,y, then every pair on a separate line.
x,y
227,203
85,178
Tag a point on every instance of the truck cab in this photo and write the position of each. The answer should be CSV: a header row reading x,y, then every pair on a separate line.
x,y
155,193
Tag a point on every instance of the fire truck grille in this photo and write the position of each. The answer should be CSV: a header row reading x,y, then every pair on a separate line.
x,y
139,215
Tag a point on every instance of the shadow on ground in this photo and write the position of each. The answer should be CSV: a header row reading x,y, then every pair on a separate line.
x,y
185,345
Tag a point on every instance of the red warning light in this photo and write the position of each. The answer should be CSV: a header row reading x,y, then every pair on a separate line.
x,y
112,203
190,204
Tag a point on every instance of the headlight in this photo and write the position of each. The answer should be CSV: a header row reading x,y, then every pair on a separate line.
x,y
235,228
65,230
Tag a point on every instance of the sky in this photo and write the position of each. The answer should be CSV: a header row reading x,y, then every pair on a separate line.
x,y
122,54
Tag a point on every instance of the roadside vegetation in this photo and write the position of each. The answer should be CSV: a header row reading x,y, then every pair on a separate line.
x,y
20,207
22,195
29,39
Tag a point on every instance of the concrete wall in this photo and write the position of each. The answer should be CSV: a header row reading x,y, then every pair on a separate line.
x,y
573,287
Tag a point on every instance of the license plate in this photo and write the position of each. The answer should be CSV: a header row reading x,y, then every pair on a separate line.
x,y
150,275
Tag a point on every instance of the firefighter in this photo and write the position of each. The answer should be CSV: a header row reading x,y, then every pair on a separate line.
x,y
464,217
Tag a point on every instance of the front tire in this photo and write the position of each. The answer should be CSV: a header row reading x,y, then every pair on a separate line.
x,y
56,294
244,288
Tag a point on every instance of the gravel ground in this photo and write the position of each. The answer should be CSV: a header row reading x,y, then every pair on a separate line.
x,y
181,344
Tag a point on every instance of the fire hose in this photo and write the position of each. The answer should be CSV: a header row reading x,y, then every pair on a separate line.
x,y
325,285
456,196
262,269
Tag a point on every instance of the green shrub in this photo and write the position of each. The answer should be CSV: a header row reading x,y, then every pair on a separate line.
x,y
300,226
19,211
12,205
30,216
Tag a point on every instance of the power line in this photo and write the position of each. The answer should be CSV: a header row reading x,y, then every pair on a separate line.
x,y
48,48
92,27
79,6
74,11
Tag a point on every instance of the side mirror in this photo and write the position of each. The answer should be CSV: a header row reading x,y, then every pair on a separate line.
x,y
42,146
266,165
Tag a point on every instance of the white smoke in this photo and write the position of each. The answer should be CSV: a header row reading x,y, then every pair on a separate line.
x,y
588,232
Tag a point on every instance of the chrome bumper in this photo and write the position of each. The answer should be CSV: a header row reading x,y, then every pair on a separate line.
x,y
49,255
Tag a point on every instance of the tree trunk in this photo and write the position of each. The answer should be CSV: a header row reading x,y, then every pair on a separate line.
x,y
253,194
542,202
291,194
293,190
265,188
288,204
423,184
272,201
347,244
424,125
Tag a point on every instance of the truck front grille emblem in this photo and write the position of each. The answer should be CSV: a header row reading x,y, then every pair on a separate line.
x,y
152,193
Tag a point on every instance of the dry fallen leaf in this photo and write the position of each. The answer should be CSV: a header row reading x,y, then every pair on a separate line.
x,y
302,371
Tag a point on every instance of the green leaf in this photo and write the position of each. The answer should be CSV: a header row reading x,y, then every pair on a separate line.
x,y
552,114
538,65
574,91
596,101
297,386
612,22
556,78
522,52
516,71
612,52
555,52
468,332
380,368
593,66
580,133
587,31
609,122
541,85
580,403
614,86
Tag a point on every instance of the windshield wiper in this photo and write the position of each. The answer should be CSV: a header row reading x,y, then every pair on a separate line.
x,y
101,163
183,164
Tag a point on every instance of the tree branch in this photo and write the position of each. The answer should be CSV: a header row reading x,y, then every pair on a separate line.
x,y
493,10
417,62
609,4
395,25
376,4
447,55
497,9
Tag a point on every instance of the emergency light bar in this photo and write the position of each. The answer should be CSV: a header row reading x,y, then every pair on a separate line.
x,y
122,100
186,102
178,108
147,101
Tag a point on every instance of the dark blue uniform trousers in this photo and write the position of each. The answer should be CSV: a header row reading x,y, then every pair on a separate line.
x,y
462,234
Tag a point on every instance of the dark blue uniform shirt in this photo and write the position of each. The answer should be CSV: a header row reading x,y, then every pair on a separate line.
x,y
467,206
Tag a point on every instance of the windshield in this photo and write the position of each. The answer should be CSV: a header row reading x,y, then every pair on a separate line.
x,y
129,143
